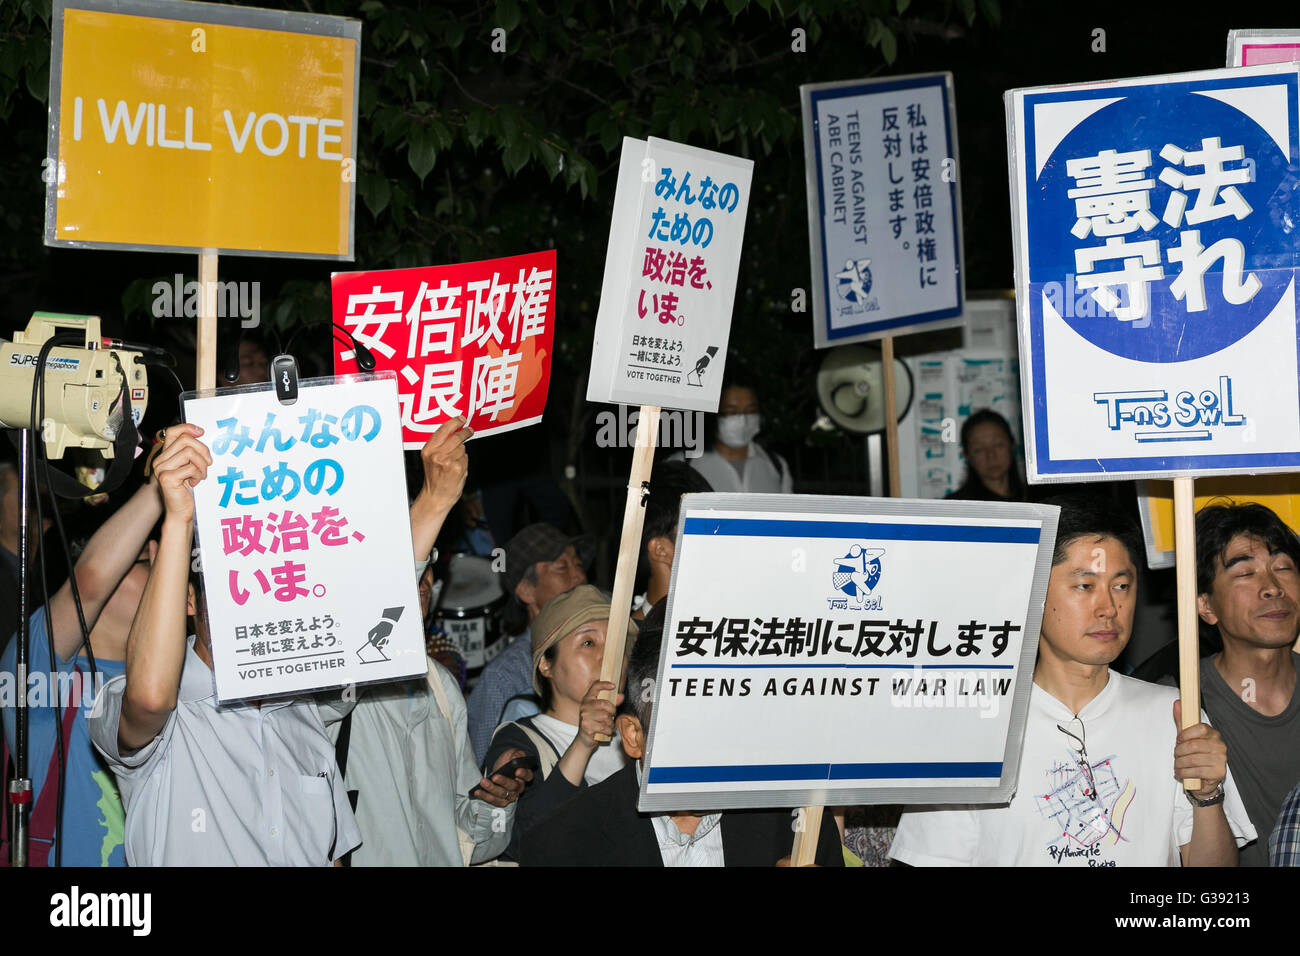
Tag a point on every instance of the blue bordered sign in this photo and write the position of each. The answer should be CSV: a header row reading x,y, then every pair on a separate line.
x,y
825,650
884,206
1156,255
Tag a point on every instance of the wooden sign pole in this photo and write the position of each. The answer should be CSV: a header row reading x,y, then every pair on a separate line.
x,y
205,359
629,548
1189,675
805,838
891,413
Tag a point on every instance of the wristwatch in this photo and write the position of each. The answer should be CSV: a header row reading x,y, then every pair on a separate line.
x,y
1212,801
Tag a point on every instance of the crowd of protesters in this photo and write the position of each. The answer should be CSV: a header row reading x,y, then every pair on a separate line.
x,y
537,765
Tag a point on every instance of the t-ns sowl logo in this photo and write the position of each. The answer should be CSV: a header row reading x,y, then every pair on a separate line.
x,y
855,578
1154,417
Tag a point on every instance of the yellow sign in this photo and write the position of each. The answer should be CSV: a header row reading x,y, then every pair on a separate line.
x,y
183,126
1281,493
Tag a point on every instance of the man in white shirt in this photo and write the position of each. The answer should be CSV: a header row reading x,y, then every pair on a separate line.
x,y
204,784
407,753
1103,759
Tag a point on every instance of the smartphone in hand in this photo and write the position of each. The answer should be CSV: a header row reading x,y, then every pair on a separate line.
x,y
507,770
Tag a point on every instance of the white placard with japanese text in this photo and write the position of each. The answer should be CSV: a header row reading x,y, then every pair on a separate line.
x,y
670,276
846,651
1156,259
305,539
884,206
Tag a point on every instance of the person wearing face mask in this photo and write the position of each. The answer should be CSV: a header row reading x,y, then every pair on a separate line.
x,y
737,463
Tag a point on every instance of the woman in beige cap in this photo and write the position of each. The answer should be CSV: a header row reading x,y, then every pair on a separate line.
x,y
568,638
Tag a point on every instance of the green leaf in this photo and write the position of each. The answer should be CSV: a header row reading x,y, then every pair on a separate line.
x,y
375,193
735,6
888,45
476,127
369,96
442,136
394,125
622,63
992,11
138,296
282,312
725,111
507,14
572,171
516,156
610,136
903,5
550,157
10,63
421,152
38,81
967,9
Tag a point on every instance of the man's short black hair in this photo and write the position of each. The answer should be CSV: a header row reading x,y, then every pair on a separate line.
x,y
1092,516
670,480
642,668
1218,523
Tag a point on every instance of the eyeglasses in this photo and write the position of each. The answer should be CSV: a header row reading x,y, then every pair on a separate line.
x,y
1074,733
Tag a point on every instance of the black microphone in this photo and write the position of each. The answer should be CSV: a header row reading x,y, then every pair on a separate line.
x,y
230,368
365,358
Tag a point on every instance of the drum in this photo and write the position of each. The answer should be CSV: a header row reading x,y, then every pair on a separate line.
x,y
470,610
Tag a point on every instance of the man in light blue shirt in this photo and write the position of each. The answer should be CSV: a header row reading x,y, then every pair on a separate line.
x,y
204,784
227,785
110,578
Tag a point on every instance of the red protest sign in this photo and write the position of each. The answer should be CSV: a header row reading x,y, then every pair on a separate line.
x,y
471,339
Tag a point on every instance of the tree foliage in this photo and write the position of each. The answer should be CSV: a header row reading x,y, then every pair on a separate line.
x,y
493,128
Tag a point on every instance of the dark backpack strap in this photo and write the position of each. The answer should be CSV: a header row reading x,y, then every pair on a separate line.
x,y
341,758
341,748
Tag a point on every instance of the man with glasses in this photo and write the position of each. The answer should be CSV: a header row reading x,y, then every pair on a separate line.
x,y
1103,759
